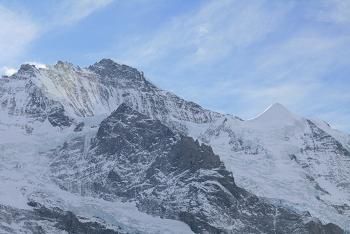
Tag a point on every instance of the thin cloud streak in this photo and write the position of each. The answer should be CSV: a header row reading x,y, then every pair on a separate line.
x,y
336,11
72,11
208,35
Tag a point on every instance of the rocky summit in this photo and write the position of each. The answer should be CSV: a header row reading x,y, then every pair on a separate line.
x,y
103,150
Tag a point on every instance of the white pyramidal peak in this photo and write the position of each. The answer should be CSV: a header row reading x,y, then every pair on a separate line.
x,y
287,159
275,115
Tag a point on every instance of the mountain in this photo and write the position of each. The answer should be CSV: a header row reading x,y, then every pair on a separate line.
x,y
168,175
292,160
101,149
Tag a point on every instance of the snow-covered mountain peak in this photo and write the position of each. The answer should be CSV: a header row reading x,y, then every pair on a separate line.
x,y
107,68
26,71
31,70
277,107
275,115
65,66
123,108
106,62
276,110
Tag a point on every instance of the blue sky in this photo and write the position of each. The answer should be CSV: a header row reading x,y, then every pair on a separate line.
x,y
232,56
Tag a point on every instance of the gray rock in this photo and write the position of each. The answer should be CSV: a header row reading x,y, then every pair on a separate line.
x,y
43,220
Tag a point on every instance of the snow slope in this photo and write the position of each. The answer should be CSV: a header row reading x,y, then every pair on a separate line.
x,y
25,177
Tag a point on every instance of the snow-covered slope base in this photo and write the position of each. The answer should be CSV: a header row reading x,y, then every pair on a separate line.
x,y
28,198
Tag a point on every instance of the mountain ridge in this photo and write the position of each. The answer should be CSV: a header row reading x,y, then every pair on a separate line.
x,y
67,103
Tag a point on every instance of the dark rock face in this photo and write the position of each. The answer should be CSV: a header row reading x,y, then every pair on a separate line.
x,y
324,142
70,223
111,71
57,117
26,71
185,155
30,101
143,132
315,228
39,107
79,127
173,176
42,220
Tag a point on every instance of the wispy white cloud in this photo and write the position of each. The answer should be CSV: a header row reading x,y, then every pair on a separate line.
x,y
336,11
72,11
212,32
37,64
17,31
7,71
295,55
